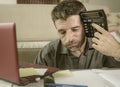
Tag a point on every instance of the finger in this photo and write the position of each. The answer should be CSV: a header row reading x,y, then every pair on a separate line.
x,y
95,40
99,28
95,46
97,35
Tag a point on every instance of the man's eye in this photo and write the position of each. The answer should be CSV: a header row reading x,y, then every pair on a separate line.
x,y
62,32
75,29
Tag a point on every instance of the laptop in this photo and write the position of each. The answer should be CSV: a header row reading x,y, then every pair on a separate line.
x,y
9,65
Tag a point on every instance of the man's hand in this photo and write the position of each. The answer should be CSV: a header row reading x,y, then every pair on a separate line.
x,y
104,42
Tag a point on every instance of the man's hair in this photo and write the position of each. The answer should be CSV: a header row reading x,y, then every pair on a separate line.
x,y
66,8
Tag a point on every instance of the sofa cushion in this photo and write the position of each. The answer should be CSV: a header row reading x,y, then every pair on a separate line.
x,y
27,54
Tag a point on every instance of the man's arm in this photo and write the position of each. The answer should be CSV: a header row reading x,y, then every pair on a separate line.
x,y
105,43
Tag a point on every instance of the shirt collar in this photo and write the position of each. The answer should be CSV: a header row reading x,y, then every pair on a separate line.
x,y
63,50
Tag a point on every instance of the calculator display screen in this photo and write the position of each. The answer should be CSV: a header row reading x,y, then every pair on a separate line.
x,y
92,14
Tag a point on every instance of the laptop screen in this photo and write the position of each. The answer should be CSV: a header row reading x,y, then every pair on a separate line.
x,y
8,53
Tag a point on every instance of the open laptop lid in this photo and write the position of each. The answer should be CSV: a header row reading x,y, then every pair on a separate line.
x,y
8,53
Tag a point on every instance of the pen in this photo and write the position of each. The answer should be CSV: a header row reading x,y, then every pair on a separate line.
x,y
64,85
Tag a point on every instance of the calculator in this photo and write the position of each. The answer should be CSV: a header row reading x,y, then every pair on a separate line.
x,y
93,16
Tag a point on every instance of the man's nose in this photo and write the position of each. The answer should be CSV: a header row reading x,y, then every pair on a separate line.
x,y
69,36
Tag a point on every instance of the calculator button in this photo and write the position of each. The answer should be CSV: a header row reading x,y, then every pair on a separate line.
x,y
89,20
102,25
84,20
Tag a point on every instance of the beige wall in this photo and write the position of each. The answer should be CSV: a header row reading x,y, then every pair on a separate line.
x,y
33,22
8,1
112,4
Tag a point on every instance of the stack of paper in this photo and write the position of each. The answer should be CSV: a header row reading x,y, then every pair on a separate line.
x,y
112,76
89,78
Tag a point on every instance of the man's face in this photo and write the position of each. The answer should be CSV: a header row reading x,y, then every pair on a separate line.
x,y
71,32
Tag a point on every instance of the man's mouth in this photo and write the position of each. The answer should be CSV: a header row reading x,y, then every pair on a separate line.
x,y
74,48
71,45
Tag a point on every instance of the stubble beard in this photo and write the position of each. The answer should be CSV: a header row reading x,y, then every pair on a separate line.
x,y
77,48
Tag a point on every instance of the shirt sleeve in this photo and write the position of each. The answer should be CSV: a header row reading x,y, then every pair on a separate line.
x,y
47,55
111,62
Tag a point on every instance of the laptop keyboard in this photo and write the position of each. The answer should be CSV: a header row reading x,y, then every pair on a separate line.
x,y
28,79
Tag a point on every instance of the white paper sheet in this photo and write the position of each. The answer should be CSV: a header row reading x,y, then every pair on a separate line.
x,y
5,84
112,76
84,77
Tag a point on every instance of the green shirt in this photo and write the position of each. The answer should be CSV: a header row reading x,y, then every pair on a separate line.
x,y
56,55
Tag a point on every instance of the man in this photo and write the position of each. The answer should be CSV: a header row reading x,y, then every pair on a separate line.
x,y
73,50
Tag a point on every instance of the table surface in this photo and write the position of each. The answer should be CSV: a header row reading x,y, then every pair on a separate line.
x,y
8,84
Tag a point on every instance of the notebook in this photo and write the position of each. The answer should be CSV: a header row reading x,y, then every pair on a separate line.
x,y
9,65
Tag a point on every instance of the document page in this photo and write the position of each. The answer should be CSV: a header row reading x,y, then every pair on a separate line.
x,y
112,76
4,84
82,77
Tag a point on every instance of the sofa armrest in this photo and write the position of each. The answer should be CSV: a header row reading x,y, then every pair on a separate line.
x,y
27,51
